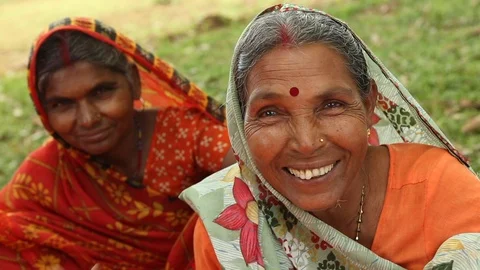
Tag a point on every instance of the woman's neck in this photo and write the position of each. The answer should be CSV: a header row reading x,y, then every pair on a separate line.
x,y
344,215
123,157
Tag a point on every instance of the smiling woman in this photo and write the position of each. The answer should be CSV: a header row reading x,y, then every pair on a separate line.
x,y
77,99
338,166
329,108
130,134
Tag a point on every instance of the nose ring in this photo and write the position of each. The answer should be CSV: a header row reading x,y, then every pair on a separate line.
x,y
98,116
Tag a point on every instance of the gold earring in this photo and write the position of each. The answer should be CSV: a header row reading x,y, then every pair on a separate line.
x,y
368,132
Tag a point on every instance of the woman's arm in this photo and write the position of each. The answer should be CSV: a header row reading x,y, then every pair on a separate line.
x,y
453,213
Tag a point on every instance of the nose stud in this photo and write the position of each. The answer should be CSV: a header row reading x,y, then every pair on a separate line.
x,y
321,140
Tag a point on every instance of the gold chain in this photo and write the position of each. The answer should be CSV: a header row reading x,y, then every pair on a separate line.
x,y
360,213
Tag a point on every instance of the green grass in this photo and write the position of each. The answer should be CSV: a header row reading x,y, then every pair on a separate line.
x,y
143,20
431,46
20,129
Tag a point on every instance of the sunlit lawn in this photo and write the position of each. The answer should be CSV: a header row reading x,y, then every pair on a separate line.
x,y
432,46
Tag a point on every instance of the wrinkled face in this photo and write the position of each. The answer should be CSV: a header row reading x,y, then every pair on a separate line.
x,y
90,107
306,124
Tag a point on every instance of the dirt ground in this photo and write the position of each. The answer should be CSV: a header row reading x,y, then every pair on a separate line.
x,y
144,20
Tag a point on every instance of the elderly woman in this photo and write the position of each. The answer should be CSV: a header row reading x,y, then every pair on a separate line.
x,y
129,135
338,166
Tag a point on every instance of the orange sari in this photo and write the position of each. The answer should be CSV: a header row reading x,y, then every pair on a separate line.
x,y
62,209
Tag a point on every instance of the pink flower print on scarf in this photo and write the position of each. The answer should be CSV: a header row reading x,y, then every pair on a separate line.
x,y
243,216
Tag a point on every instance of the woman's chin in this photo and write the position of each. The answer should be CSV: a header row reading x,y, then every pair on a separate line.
x,y
315,206
316,195
95,150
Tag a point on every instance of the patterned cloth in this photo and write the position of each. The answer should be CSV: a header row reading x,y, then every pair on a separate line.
x,y
63,209
256,227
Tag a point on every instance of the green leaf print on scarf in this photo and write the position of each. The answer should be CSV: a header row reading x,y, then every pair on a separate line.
x,y
444,266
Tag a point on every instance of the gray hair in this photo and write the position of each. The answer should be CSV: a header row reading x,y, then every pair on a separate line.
x,y
294,29
67,47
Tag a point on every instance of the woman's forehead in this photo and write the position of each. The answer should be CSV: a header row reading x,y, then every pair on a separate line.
x,y
79,76
313,65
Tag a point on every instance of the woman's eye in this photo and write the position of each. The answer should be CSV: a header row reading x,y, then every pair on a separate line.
x,y
59,105
102,91
268,113
54,106
333,105
332,108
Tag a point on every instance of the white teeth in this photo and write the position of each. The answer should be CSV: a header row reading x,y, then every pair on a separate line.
x,y
309,174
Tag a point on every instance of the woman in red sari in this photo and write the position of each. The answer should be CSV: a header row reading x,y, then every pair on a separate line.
x,y
129,135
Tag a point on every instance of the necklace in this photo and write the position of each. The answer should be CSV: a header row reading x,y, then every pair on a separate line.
x,y
136,179
360,213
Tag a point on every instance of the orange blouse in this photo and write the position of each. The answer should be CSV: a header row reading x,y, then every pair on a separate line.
x,y
430,197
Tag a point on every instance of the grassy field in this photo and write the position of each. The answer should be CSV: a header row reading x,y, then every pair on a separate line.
x,y
432,46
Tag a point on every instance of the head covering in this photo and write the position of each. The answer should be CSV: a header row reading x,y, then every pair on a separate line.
x,y
400,117
282,226
60,200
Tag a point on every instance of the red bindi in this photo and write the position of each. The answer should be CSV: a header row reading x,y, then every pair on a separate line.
x,y
294,91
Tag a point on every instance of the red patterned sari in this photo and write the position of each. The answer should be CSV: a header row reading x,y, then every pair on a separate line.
x,y
63,210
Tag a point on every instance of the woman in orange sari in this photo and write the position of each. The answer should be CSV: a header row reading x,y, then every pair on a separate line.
x,y
129,135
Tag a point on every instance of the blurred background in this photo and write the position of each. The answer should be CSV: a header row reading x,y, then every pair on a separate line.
x,y
433,47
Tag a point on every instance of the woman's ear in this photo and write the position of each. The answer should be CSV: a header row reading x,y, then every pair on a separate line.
x,y
134,81
371,101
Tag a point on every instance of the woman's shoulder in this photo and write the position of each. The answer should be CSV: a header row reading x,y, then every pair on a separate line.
x,y
221,179
170,116
172,111
211,189
47,155
40,166
42,161
417,152
437,193
412,163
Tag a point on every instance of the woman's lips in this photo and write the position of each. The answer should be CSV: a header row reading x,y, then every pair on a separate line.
x,y
307,174
95,136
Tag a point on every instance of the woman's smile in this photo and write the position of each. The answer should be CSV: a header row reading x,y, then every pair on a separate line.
x,y
313,179
95,136
307,174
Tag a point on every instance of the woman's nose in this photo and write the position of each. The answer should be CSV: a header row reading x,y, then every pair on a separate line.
x,y
88,114
307,137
